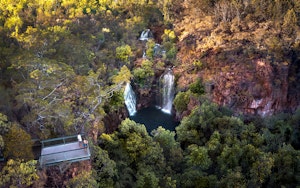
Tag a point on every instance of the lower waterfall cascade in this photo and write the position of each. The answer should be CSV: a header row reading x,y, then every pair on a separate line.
x,y
167,91
130,99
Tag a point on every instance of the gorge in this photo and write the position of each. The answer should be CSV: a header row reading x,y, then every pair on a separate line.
x,y
168,93
159,112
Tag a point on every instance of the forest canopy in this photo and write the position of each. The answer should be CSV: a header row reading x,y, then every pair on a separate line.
x,y
64,65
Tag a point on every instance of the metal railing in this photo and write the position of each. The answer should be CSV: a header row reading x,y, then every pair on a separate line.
x,y
58,156
58,141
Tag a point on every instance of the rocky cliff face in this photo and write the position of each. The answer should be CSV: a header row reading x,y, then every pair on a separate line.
x,y
259,90
250,67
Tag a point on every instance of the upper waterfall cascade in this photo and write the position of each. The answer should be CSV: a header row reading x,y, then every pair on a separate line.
x,y
130,99
146,34
167,92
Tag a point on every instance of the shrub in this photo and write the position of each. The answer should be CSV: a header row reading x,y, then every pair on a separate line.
x,y
181,101
143,74
197,87
14,149
150,48
198,65
123,53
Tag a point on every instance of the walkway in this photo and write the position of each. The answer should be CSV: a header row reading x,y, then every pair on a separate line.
x,y
66,152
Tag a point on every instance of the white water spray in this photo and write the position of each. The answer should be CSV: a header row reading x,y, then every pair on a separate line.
x,y
145,35
167,84
130,99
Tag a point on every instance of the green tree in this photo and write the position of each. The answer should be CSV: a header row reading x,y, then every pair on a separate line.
x,y
4,128
181,101
278,132
261,169
197,87
286,167
18,173
192,177
104,168
150,48
230,158
198,157
124,53
18,144
11,15
83,179
234,178
135,151
250,135
147,178
294,121
257,165
169,36
4,124
171,149
45,90
214,143
124,75
197,127
144,75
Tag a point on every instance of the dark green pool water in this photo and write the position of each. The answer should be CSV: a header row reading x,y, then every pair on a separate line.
x,y
153,117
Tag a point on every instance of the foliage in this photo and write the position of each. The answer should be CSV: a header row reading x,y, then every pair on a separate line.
x,y
198,65
104,168
4,124
2,144
181,101
18,173
198,156
150,48
171,50
171,149
137,154
18,144
124,75
44,90
233,178
143,75
286,166
84,179
4,128
123,53
146,178
61,64
169,39
196,128
197,87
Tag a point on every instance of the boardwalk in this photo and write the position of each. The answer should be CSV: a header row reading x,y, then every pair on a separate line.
x,y
68,152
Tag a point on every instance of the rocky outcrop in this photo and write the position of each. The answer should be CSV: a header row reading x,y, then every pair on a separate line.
x,y
146,98
262,90
114,119
253,70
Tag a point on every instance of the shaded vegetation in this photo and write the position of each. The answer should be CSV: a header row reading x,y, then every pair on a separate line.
x,y
64,65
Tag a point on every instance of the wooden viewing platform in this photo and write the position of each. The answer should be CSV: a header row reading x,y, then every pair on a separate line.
x,y
60,150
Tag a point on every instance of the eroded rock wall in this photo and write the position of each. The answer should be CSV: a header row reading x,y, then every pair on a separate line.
x,y
254,69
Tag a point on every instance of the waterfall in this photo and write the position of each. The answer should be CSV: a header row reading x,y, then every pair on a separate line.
x,y
144,55
130,99
167,91
145,35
